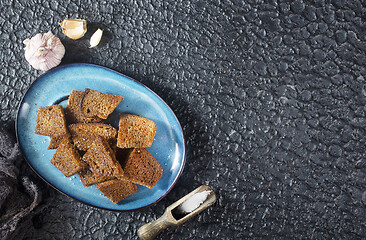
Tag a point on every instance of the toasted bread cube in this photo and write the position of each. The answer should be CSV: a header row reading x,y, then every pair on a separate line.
x,y
116,190
97,104
84,134
88,178
140,167
72,110
135,131
51,121
55,141
102,160
67,159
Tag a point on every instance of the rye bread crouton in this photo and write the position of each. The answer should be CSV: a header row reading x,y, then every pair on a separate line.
x,y
51,121
72,110
116,190
97,104
102,159
140,167
135,131
67,159
84,134
88,178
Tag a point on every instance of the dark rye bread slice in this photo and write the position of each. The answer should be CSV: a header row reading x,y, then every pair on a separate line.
x,y
102,159
67,159
88,178
51,121
84,134
55,141
72,110
97,104
135,131
116,190
140,167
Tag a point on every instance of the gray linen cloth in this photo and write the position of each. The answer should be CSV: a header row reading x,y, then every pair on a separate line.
x,y
19,196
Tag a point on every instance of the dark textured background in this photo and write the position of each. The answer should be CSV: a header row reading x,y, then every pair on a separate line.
x,y
271,96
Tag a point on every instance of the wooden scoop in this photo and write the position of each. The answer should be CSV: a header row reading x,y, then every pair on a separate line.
x,y
150,230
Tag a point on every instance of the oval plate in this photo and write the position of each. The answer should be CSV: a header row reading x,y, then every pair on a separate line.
x,y
53,87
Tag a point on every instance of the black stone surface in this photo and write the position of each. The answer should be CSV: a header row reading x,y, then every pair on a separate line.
x,y
271,96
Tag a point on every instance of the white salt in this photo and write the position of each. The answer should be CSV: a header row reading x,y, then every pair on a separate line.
x,y
194,201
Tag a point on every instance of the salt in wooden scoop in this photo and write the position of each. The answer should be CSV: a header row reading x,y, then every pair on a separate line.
x,y
179,212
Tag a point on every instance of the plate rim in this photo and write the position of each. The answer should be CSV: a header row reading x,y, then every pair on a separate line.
x,y
114,71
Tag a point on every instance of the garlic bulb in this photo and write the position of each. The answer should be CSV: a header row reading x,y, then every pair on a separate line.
x,y
73,28
44,51
95,38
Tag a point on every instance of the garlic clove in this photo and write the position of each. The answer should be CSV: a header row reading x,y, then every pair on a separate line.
x,y
73,28
95,38
44,51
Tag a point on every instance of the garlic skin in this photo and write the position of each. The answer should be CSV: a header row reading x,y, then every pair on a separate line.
x,y
95,38
44,51
73,28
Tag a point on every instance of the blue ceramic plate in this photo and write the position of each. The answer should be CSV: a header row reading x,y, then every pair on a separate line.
x,y
54,86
